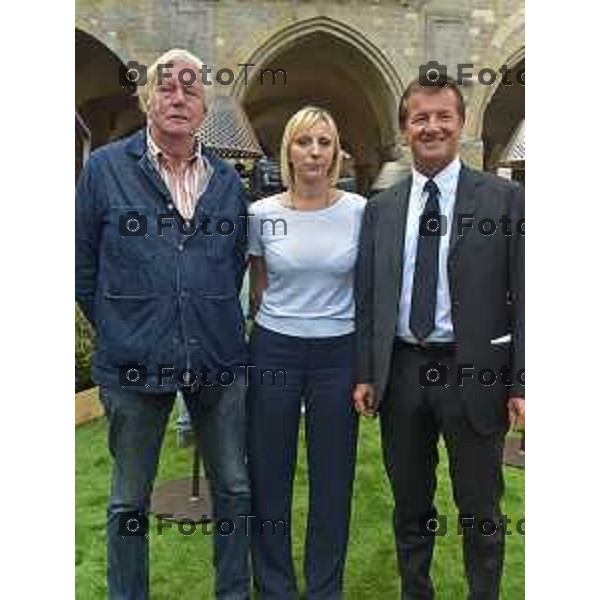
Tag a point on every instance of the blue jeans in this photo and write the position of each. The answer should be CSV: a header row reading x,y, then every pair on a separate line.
x,y
320,372
136,427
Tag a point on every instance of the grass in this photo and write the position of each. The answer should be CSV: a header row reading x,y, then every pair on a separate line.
x,y
181,566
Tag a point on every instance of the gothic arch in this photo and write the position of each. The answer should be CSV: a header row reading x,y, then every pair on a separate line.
x,y
337,67
103,106
507,48
110,42
290,34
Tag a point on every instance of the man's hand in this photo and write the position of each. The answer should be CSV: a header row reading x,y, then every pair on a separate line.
x,y
516,412
364,399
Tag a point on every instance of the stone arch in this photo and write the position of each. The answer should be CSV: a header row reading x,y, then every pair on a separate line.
x,y
507,48
288,35
333,65
105,108
503,114
110,40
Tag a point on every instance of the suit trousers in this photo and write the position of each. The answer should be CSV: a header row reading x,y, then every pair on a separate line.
x,y
319,372
412,417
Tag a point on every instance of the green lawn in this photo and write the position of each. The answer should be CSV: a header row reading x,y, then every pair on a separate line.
x,y
181,566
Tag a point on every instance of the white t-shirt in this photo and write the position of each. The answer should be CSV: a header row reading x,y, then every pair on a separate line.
x,y
310,257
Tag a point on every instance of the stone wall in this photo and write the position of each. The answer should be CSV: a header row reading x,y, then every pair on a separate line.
x,y
403,34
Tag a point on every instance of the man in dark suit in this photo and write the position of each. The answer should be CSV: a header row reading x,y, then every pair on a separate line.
x,y
440,333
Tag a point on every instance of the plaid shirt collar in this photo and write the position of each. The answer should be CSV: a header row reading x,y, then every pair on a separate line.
x,y
156,153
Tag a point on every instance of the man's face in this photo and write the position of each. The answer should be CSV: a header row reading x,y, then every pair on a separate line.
x,y
432,129
178,109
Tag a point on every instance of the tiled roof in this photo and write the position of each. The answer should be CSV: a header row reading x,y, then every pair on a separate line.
x,y
228,132
515,149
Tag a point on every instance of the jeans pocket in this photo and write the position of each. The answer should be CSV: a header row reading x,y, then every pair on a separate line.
x,y
104,397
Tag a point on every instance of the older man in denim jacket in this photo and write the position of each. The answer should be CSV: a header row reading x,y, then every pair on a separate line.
x,y
160,257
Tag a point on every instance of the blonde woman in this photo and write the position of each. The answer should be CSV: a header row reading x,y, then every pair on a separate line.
x,y
302,246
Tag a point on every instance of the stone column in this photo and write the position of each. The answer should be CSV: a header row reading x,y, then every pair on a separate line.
x,y
471,152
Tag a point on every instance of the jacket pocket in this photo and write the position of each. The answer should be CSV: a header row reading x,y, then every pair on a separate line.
x,y
130,234
220,319
128,324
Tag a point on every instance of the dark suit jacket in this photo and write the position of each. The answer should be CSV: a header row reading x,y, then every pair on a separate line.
x,y
487,289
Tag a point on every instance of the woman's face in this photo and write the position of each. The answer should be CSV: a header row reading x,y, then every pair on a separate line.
x,y
311,153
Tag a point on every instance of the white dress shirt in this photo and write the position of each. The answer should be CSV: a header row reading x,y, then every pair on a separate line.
x,y
447,181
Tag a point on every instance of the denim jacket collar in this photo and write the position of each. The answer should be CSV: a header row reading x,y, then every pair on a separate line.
x,y
136,146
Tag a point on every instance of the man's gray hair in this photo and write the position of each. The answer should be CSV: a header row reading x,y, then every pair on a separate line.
x,y
147,92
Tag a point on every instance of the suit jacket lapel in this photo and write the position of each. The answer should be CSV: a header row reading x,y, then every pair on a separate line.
x,y
395,218
466,200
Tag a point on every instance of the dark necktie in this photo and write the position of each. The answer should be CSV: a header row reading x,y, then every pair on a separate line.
x,y
424,291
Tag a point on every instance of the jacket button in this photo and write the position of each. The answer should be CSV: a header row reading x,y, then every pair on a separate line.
x,y
180,247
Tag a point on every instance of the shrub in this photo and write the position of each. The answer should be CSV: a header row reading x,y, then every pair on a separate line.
x,y
84,348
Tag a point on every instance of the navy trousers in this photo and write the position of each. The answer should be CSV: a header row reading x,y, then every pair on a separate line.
x,y
288,370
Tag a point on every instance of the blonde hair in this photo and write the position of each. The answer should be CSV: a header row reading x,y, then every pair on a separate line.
x,y
305,118
146,93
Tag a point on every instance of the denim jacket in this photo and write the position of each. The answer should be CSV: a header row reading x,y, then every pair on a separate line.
x,y
159,295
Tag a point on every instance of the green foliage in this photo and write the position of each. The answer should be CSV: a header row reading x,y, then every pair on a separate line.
x,y
84,348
